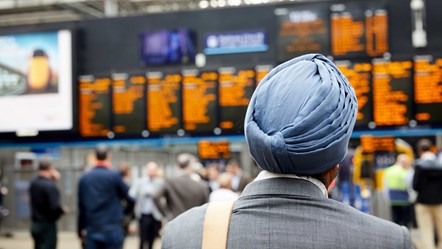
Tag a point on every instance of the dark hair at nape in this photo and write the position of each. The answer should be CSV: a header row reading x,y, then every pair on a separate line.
x,y
44,164
424,144
234,161
101,153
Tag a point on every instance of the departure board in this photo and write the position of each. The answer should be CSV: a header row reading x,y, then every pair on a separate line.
x,y
359,76
359,29
163,102
392,92
128,104
213,150
261,71
428,89
302,30
94,106
372,144
236,87
199,101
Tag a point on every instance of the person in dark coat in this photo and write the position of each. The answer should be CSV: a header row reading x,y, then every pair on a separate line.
x,y
100,195
427,182
46,208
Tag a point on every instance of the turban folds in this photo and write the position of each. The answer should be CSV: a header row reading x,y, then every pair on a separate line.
x,y
300,117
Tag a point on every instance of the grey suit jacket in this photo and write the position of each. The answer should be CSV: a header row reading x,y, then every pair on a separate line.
x,y
290,213
181,194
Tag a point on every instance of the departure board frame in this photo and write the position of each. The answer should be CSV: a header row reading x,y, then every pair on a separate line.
x,y
261,72
164,102
236,87
392,92
303,28
428,89
359,29
200,101
213,149
95,106
359,74
129,104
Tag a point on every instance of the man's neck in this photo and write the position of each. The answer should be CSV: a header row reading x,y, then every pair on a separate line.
x,y
104,164
45,174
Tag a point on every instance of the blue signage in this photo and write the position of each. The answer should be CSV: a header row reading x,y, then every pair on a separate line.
x,y
236,42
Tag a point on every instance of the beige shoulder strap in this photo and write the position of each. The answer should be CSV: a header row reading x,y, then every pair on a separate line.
x,y
216,225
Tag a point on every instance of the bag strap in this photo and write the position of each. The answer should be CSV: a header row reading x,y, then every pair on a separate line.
x,y
216,225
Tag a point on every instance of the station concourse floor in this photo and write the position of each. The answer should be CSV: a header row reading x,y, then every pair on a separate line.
x,y
66,240
69,240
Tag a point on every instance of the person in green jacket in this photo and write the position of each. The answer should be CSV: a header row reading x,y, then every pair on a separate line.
x,y
396,187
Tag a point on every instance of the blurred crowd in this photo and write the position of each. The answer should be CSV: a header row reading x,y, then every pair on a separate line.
x,y
414,193
111,204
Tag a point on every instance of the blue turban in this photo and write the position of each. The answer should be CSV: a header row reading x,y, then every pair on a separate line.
x,y
300,117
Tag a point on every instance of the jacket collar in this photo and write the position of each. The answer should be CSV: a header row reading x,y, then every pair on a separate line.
x,y
266,175
283,186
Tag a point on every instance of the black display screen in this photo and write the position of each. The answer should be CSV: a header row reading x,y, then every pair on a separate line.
x,y
163,102
392,92
95,106
359,76
200,101
236,87
302,30
428,89
359,29
128,104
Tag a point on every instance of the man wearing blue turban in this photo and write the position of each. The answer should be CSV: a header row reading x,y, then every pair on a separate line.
x,y
297,127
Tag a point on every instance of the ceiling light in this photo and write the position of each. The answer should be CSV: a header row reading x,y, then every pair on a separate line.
x,y
204,4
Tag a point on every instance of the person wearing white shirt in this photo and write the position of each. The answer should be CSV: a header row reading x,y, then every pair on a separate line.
x,y
224,193
145,209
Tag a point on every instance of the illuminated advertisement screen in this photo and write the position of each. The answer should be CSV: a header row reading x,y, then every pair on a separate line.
x,y
36,81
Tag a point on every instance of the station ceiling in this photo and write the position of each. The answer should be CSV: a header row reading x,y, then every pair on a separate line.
x,y
22,12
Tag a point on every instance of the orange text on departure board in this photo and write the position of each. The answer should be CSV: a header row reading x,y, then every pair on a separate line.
x,y
162,93
261,72
198,93
348,34
372,144
232,87
390,106
302,32
124,95
428,81
232,90
376,32
90,105
359,78
213,150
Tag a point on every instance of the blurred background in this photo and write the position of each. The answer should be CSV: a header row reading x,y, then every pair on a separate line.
x,y
155,78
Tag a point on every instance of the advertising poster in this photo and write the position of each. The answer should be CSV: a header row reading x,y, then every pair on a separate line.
x,y
36,81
